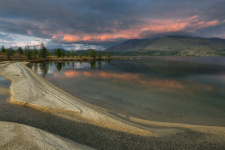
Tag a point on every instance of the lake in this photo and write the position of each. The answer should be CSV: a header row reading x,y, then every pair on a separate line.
x,y
167,89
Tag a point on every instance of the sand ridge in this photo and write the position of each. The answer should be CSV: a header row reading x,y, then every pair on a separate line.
x,y
18,136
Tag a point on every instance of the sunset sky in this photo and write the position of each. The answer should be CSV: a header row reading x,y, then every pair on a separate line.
x,y
83,24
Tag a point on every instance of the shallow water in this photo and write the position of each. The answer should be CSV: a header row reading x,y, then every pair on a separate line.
x,y
168,89
4,82
82,133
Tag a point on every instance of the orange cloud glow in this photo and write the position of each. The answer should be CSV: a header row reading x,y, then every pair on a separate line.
x,y
189,24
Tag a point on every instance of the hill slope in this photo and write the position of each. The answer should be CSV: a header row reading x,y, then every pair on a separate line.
x,y
172,45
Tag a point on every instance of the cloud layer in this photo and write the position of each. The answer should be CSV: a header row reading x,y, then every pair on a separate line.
x,y
100,23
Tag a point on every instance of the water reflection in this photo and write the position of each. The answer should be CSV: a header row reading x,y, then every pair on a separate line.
x,y
153,89
35,67
58,66
108,61
99,65
44,67
92,64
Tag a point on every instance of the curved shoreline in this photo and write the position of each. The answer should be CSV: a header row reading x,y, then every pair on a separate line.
x,y
29,89
43,96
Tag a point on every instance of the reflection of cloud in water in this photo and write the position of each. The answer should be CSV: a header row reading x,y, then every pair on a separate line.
x,y
137,78
78,65
164,83
197,86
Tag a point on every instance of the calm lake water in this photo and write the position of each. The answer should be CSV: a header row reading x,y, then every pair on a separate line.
x,y
168,89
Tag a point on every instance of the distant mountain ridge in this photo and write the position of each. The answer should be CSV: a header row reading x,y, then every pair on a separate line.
x,y
172,45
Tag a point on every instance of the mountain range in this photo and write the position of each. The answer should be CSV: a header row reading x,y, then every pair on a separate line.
x,y
171,45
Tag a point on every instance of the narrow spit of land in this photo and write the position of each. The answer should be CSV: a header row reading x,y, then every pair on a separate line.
x,y
29,89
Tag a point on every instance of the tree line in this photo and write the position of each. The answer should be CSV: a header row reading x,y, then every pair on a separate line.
x,y
30,54
43,53
92,54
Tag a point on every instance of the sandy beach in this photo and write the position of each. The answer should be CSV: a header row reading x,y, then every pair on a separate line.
x,y
30,90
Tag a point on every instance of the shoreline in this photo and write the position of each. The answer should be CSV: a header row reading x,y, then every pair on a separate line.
x,y
43,96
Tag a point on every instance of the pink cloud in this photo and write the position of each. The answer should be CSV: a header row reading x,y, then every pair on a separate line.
x,y
29,32
190,24
203,24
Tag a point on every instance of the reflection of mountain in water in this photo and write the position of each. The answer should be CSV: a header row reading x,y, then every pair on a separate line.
x,y
164,67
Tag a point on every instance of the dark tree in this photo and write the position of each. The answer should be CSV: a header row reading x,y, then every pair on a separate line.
x,y
58,52
28,52
99,54
108,55
35,52
20,51
67,54
92,54
3,50
75,54
72,53
43,53
63,53
80,55
9,53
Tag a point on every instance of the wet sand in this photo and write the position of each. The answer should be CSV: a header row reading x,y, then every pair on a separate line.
x,y
94,126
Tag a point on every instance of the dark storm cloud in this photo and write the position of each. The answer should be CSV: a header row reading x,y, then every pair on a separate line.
x,y
108,21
